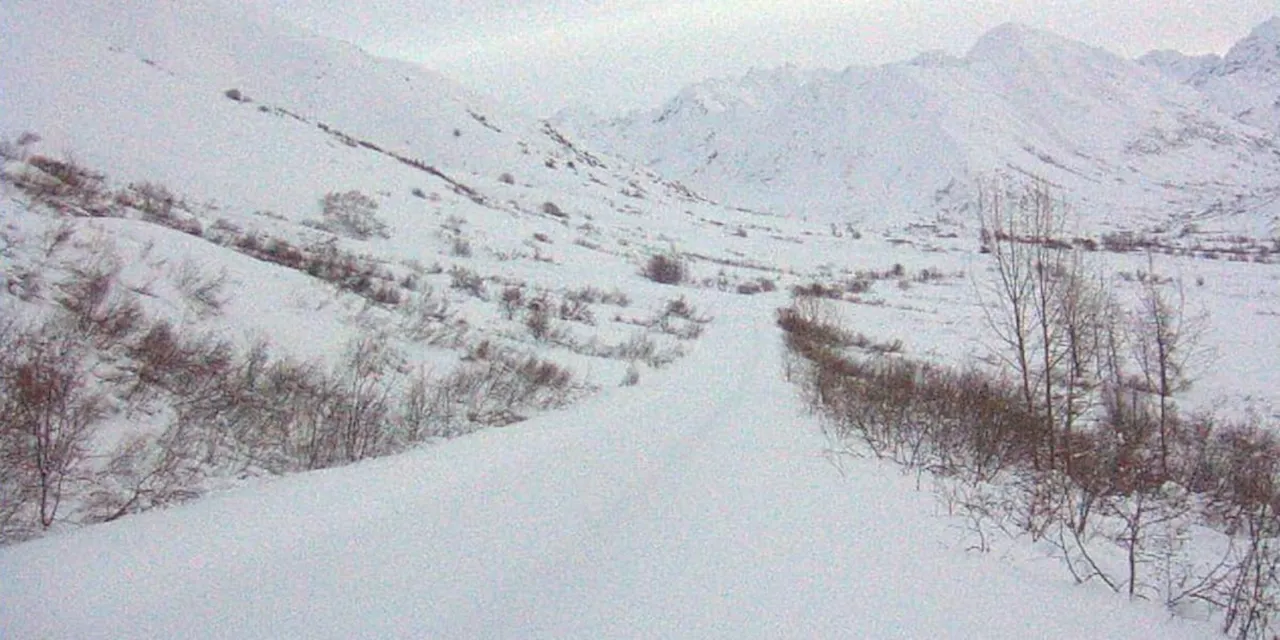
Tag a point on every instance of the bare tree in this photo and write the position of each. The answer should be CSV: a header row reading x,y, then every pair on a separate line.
x,y
48,409
1165,343
1045,308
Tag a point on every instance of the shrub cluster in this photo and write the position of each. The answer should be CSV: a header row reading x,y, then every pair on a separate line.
x,y
665,269
1119,502
351,214
217,411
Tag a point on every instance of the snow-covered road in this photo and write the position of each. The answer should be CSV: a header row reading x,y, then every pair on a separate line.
x,y
698,504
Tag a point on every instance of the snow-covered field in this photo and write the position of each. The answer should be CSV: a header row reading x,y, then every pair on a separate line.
x,y
697,505
676,486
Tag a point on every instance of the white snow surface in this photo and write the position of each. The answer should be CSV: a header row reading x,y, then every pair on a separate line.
x,y
698,507
699,503
906,142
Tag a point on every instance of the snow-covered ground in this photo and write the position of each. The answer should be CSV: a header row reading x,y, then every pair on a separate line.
x,y
697,501
700,505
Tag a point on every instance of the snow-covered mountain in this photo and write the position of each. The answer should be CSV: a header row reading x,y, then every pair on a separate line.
x,y
1246,82
907,142
255,101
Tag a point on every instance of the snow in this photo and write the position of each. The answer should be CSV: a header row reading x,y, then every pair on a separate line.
x,y
1246,82
907,142
701,502
683,509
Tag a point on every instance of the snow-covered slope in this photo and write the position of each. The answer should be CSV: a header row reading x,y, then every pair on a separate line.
x,y
198,141
1177,65
1246,82
907,142
675,511
140,83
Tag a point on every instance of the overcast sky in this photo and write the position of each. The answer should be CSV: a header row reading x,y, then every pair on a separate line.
x,y
615,55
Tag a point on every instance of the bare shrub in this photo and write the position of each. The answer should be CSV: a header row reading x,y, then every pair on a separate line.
x,y
1111,506
576,309
460,247
18,149
154,200
552,209
665,269
205,293
511,301
177,362
47,410
66,180
426,318
464,279
352,214
538,318
760,285
148,472
496,387
96,306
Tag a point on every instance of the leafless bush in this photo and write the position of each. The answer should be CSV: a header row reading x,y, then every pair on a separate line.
x,y
552,209
820,290
426,318
460,247
203,291
680,319
352,214
760,285
1137,480
665,269
511,301
154,200
66,181
48,407
496,387
538,319
464,279
96,306
592,295
18,149
148,472
178,363
575,309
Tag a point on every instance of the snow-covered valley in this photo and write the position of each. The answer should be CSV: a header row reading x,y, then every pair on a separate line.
x,y
344,349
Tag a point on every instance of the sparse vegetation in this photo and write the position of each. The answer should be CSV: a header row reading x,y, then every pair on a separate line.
x,y
1060,445
552,209
665,269
232,412
351,214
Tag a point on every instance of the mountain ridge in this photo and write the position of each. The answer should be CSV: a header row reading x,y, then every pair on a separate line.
x,y
909,141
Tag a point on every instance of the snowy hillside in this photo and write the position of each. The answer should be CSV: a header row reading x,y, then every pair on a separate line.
x,y
298,342
1246,83
907,142
675,511
202,190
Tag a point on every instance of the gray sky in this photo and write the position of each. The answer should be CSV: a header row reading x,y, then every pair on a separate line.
x,y
615,55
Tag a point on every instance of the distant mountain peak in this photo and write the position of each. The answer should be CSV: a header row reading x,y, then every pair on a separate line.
x,y
1015,37
1268,30
1259,51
